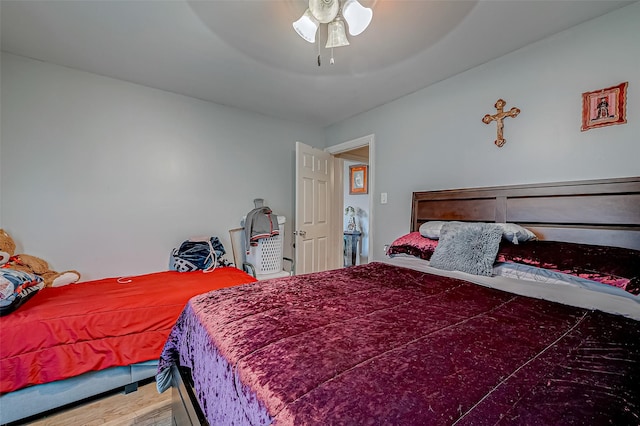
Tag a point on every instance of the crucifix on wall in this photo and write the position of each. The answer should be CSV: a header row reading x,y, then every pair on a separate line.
x,y
498,117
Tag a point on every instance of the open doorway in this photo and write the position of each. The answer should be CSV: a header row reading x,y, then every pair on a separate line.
x,y
357,206
355,224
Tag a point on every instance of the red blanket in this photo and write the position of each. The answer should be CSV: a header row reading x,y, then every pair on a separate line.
x,y
66,331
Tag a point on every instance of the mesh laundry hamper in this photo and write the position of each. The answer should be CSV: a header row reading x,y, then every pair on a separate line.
x,y
266,257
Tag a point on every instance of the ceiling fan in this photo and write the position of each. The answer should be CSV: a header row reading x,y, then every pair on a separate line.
x,y
334,13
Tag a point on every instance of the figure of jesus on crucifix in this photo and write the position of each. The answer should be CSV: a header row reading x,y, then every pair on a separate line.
x,y
498,117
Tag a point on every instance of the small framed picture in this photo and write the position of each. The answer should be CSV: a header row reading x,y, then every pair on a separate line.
x,y
604,107
359,179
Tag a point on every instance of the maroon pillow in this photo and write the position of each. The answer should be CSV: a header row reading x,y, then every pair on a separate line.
x,y
614,266
413,244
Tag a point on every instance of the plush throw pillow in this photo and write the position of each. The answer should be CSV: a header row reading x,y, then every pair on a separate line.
x,y
16,287
469,247
412,244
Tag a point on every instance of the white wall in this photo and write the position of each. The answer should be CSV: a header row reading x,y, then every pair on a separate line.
x,y
107,177
435,139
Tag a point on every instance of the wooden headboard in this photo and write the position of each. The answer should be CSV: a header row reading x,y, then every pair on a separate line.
x,y
602,212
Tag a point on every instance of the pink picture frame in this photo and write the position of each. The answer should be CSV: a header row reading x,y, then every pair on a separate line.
x,y
604,107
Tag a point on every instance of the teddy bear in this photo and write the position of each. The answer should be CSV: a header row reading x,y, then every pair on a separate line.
x,y
32,264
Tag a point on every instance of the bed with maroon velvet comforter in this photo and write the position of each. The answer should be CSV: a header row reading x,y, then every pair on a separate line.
x,y
381,344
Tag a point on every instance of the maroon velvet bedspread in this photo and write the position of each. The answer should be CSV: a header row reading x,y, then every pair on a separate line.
x,y
379,344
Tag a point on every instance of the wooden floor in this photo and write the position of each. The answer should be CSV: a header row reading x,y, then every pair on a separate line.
x,y
144,407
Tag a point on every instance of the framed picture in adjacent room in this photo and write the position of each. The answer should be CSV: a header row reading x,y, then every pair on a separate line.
x,y
604,107
358,179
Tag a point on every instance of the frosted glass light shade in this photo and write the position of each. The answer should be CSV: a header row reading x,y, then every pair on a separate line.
x,y
357,16
307,26
336,36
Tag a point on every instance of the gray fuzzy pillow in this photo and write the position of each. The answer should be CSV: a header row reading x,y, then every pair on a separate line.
x,y
467,247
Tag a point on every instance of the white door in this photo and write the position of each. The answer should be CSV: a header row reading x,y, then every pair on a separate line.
x,y
314,193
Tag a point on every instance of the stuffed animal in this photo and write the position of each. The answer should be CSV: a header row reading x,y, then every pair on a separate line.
x,y
32,264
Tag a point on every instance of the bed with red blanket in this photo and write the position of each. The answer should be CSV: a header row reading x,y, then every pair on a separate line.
x,y
405,342
71,342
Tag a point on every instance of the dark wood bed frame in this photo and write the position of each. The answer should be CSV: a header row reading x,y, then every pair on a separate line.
x,y
185,409
601,212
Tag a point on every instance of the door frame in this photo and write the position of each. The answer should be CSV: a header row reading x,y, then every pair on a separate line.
x,y
338,196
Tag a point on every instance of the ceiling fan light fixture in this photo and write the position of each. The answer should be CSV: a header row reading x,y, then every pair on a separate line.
x,y
307,26
324,11
357,16
337,36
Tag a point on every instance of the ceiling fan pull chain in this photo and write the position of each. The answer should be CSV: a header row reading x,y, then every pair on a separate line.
x,y
318,51
332,61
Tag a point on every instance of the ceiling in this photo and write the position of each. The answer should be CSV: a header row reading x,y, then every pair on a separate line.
x,y
245,53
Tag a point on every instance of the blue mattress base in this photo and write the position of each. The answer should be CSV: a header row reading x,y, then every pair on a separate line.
x,y
34,400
